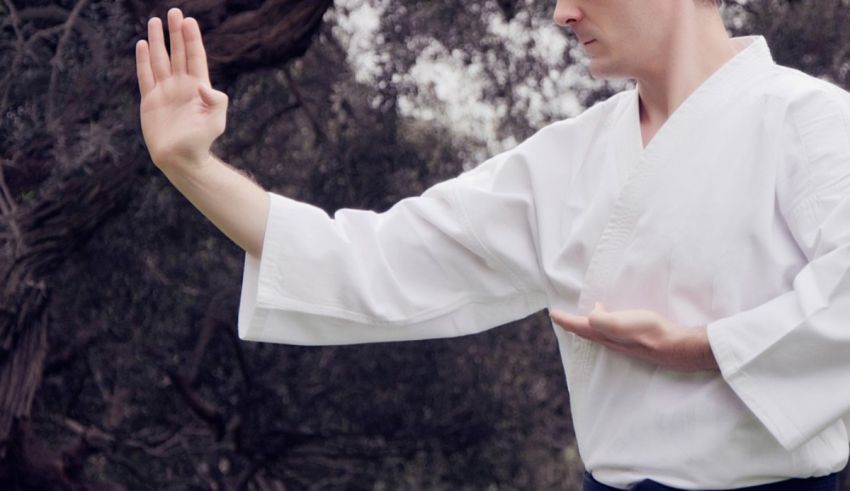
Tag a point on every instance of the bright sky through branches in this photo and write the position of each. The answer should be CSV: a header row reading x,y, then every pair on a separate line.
x,y
452,91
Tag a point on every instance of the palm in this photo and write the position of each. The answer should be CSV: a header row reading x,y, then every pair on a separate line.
x,y
180,114
175,119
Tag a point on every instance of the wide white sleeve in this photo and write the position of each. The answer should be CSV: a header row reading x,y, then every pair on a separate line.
x,y
789,358
416,271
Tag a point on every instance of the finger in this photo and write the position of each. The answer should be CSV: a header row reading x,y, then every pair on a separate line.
x,y
143,68
159,56
196,56
576,324
175,32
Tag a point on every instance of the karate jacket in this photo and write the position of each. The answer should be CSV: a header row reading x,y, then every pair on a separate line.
x,y
735,216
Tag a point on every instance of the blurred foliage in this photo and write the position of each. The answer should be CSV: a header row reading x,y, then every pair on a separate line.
x,y
145,384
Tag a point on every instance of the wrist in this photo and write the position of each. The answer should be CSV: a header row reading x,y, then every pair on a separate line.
x,y
186,168
704,353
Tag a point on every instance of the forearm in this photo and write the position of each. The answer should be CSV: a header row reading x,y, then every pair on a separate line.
x,y
234,203
703,353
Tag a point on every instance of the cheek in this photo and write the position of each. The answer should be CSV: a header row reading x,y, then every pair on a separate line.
x,y
641,38
652,29
639,45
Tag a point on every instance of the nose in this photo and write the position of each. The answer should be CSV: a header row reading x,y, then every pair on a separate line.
x,y
567,13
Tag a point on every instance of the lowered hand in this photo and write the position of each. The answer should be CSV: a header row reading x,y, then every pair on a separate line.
x,y
643,334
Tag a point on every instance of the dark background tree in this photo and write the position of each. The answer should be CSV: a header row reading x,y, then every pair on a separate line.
x,y
119,365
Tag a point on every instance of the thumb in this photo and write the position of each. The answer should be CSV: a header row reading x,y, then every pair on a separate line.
x,y
210,96
600,317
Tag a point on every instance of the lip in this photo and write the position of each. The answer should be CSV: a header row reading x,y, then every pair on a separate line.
x,y
587,43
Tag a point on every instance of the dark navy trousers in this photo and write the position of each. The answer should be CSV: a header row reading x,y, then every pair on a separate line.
x,y
823,483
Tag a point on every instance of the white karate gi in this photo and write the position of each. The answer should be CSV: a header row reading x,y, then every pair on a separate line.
x,y
736,216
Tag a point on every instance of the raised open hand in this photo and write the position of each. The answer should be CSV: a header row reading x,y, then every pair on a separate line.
x,y
643,334
181,113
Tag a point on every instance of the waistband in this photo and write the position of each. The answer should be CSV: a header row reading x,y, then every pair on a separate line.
x,y
822,483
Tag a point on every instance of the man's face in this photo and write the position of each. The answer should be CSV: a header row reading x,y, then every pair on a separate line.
x,y
623,38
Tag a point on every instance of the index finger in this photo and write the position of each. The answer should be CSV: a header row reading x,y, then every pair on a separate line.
x,y
196,56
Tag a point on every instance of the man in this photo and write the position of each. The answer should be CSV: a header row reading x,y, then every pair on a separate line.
x,y
709,209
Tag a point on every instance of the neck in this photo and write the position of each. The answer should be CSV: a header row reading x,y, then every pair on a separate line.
x,y
693,52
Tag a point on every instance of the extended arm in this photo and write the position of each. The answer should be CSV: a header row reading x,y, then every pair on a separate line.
x,y
416,271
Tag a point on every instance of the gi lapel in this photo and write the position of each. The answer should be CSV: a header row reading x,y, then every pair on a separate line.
x,y
643,177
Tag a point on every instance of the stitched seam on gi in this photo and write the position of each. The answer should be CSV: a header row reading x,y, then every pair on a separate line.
x,y
774,419
531,297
